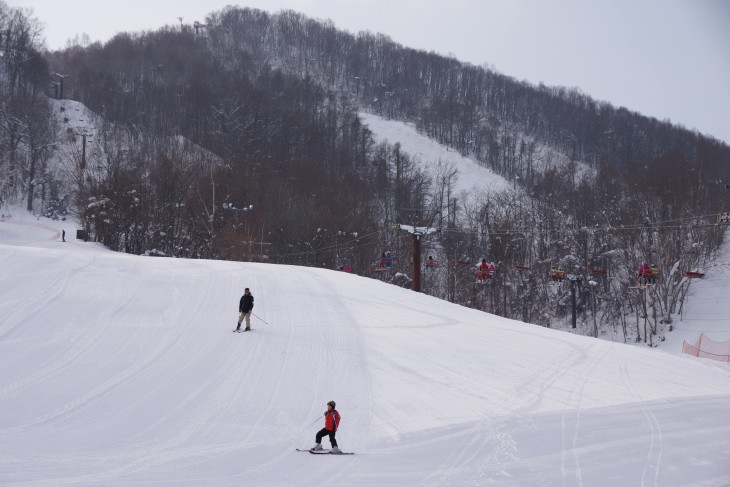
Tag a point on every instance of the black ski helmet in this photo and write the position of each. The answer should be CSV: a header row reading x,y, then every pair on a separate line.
x,y
331,403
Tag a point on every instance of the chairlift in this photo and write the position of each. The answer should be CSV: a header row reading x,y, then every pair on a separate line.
x,y
431,262
641,286
519,267
557,274
384,263
693,274
647,274
485,272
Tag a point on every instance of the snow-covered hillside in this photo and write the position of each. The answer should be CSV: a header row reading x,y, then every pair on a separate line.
x,y
429,154
708,307
79,124
472,176
122,370
76,117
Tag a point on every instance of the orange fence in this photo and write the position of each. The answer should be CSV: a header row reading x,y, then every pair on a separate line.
x,y
708,348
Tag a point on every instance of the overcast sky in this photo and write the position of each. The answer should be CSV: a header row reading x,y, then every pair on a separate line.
x,y
669,59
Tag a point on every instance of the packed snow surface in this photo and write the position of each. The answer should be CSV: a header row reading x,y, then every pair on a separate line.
x,y
708,307
122,370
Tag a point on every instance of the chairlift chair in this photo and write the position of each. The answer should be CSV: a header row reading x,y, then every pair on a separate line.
x,y
485,272
384,263
431,262
557,274
693,274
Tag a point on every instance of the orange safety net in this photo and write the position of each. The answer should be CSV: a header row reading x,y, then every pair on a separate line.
x,y
708,348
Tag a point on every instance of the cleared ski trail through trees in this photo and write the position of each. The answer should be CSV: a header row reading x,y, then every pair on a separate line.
x,y
122,370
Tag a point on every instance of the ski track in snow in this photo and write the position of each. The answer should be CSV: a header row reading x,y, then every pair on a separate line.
x,y
653,459
122,370
574,397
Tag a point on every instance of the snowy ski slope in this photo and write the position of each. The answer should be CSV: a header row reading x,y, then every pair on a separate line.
x,y
122,370
429,154
708,308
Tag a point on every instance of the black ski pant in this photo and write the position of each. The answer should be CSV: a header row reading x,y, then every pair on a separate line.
x,y
325,432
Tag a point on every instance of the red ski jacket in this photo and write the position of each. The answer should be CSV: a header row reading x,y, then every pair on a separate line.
x,y
644,270
331,420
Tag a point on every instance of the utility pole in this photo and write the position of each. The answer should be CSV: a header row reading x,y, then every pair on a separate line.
x,y
417,233
61,77
574,280
646,316
84,133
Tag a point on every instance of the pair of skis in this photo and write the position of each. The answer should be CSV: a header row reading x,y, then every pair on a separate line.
x,y
241,331
326,452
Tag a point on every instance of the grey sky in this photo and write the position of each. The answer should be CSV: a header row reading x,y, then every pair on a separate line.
x,y
669,59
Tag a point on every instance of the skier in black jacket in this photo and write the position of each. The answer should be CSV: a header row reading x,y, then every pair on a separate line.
x,y
245,306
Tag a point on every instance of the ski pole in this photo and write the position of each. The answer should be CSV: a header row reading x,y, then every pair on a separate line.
x,y
312,424
261,319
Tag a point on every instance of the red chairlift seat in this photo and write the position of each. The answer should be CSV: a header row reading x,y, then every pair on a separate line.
x,y
483,276
693,274
383,264
486,272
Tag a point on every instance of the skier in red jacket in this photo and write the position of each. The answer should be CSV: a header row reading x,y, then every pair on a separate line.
x,y
644,274
331,422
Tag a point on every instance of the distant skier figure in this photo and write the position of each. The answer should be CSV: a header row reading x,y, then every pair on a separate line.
x,y
331,422
245,306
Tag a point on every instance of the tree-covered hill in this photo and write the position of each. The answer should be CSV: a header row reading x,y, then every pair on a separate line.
x,y
268,108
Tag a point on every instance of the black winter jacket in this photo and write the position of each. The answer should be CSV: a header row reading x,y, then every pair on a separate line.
x,y
246,304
